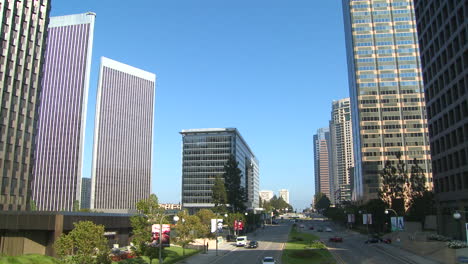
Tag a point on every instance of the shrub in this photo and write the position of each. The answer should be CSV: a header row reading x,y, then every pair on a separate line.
x,y
456,244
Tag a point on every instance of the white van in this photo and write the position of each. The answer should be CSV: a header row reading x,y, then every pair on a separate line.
x,y
241,241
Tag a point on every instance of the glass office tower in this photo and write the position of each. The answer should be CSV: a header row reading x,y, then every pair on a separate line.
x,y
62,116
443,39
204,154
322,162
23,38
386,90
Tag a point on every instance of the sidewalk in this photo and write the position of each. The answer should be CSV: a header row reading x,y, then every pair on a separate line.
x,y
210,257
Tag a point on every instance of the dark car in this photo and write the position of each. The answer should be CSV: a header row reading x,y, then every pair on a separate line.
x,y
319,229
372,240
231,238
311,228
387,240
274,223
336,239
252,244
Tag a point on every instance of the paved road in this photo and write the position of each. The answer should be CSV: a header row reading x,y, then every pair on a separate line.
x,y
353,249
270,240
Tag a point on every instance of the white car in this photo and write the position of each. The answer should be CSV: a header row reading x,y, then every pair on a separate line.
x,y
268,260
328,229
241,241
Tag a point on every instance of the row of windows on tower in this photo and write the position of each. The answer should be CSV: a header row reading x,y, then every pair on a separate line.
x,y
455,182
449,119
438,100
450,140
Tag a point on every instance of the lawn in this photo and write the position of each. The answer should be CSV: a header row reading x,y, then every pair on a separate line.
x,y
303,248
173,255
28,259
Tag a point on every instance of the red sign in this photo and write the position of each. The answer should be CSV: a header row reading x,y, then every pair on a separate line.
x,y
166,234
238,225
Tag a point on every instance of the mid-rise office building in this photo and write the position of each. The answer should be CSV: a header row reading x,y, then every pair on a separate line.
x,y
266,195
23,36
341,156
62,116
284,194
386,90
204,154
123,137
322,161
85,193
443,41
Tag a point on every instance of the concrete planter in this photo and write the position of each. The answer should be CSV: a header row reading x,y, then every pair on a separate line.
x,y
461,255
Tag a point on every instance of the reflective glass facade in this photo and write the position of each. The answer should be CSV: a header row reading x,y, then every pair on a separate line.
x,y
386,89
204,154
322,161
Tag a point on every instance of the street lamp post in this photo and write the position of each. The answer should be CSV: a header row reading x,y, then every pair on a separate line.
x,y
457,216
387,211
217,232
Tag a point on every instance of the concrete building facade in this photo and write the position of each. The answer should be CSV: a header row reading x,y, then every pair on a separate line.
x,y
85,193
62,116
341,156
266,195
443,41
123,137
386,90
23,38
204,154
284,194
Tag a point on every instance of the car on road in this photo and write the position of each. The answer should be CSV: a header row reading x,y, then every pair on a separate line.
x,y
336,239
241,241
268,260
301,226
252,244
372,240
274,223
311,228
387,240
328,229
319,229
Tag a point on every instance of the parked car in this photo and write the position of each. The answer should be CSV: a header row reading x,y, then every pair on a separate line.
x,y
268,260
336,239
253,244
328,229
274,223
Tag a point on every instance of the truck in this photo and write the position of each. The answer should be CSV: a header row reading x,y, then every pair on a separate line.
x,y
241,241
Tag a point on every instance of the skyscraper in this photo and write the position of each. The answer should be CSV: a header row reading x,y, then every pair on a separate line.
x,y
204,154
341,156
442,27
284,194
122,152
386,89
322,161
22,33
85,193
62,116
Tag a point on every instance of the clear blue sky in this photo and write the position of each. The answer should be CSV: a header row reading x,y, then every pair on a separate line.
x,y
269,68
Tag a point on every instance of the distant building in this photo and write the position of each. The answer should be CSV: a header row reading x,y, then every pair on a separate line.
x,y
322,161
62,116
386,90
284,194
171,206
442,30
204,154
23,34
85,193
266,195
341,156
122,153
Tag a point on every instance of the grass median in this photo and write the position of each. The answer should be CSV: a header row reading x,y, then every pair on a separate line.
x,y
303,248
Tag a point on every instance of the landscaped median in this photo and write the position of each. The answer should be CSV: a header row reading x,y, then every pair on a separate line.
x,y
303,248
28,259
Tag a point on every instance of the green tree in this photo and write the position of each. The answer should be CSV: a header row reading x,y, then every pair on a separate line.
x,y
219,195
236,195
321,202
83,244
150,213
205,216
421,206
376,207
394,183
417,181
76,206
188,229
32,205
